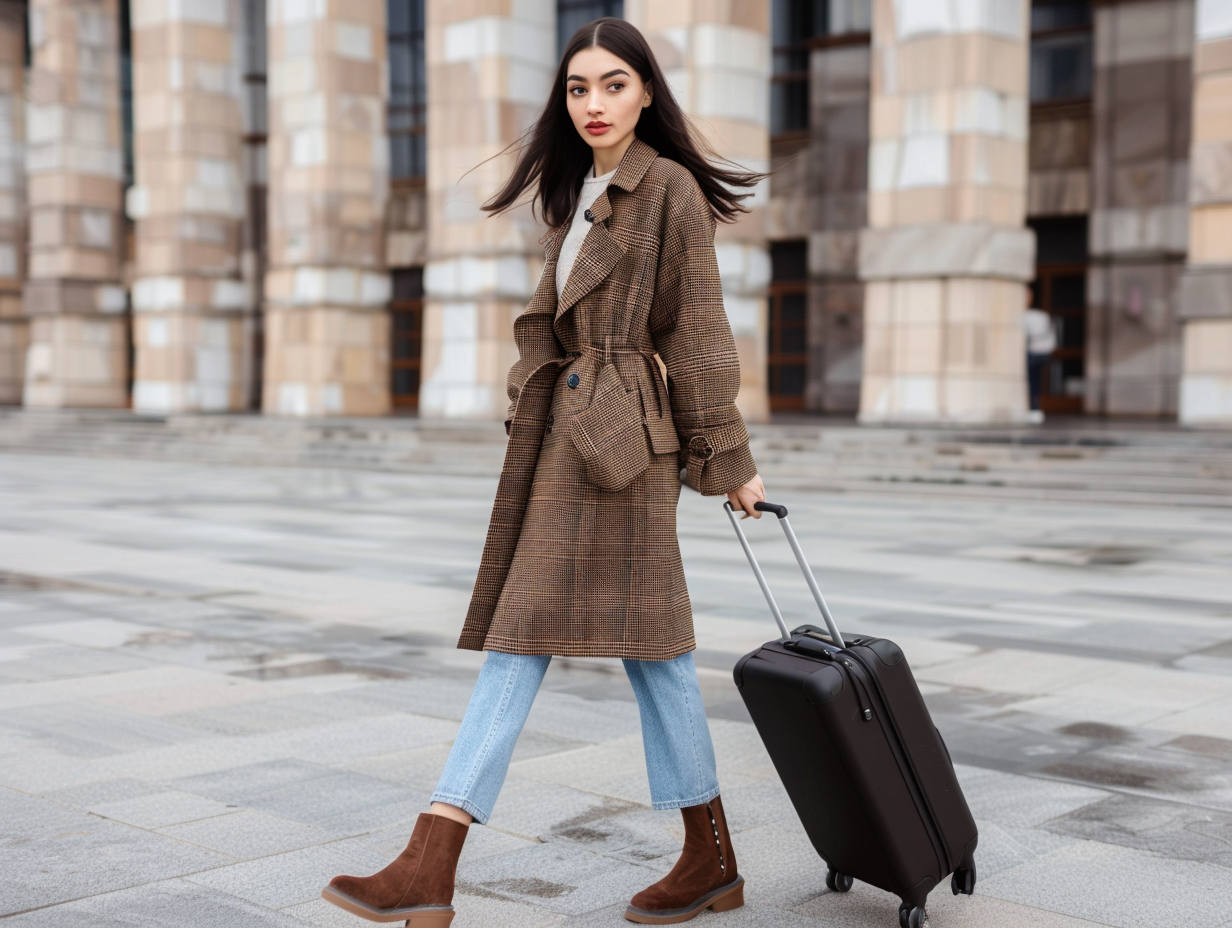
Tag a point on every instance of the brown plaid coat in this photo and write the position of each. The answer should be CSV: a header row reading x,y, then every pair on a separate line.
x,y
581,556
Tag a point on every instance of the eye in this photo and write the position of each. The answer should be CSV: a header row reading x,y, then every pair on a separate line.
x,y
576,87
616,86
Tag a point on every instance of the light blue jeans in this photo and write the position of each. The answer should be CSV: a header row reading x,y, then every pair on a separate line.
x,y
679,754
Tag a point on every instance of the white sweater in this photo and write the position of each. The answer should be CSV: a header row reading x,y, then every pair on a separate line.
x,y
578,227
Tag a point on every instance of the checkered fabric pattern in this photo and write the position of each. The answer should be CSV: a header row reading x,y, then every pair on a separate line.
x,y
569,568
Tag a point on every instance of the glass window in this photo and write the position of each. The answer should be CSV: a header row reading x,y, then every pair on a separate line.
x,y
793,23
1062,51
572,15
126,89
406,337
408,98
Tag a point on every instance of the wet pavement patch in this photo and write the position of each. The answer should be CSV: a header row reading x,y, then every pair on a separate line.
x,y
518,886
1173,829
1110,771
318,668
1096,731
1220,748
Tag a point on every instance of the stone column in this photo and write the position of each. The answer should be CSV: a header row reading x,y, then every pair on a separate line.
x,y
1141,105
716,57
78,353
326,290
14,330
489,67
946,252
1206,288
188,202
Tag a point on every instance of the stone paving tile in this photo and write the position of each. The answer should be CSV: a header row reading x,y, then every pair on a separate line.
x,y
291,878
54,855
1021,801
1120,886
101,791
531,809
167,904
246,834
158,810
338,801
557,877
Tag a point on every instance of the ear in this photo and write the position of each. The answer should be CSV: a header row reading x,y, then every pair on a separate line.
x,y
648,97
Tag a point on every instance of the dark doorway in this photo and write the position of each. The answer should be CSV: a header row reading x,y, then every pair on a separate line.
x,y
1061,291
406,338
787,355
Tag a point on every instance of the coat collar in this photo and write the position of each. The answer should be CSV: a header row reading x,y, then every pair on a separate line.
x,y
634,164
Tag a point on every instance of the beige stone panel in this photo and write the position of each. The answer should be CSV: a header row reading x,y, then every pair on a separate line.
x,y
1210,234
885,117
921,205
55,188
1212,56
1212,107
1207,347
943,62
75,361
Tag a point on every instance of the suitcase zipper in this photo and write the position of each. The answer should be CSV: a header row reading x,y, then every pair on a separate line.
x,y
862,697
904,758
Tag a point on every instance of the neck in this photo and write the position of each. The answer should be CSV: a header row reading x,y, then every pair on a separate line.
x,y
607,159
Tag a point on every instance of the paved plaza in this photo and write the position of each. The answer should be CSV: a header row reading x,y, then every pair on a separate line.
x,y
221,685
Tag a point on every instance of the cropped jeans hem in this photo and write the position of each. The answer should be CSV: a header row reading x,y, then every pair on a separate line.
x,y
465,805
685,803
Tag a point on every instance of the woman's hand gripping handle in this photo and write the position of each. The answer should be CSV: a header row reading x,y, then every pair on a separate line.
x,y
744,498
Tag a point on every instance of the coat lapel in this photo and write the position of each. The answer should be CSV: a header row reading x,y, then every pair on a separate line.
x,y
596,259
600,251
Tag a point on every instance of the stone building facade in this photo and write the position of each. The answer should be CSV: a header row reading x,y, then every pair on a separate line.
x,y
274,204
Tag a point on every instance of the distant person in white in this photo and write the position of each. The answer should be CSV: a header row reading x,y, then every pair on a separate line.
x,y
1041,343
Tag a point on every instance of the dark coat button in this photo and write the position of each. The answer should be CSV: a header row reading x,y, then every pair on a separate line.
x,y
589,216
573,381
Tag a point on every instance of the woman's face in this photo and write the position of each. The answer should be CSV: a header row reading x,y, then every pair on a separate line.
x,y
605,97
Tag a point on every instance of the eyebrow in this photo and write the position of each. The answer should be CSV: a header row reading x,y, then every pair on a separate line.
x,y
578,77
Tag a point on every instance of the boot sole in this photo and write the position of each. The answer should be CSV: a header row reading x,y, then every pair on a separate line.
x,y
723,899
415,916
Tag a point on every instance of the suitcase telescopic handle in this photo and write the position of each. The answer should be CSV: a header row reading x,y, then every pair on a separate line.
x,y
781,513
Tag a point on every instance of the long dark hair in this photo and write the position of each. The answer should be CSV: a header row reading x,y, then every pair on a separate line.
x,y
554,158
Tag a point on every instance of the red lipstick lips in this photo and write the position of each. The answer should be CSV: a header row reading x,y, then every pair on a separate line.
x,y
597,128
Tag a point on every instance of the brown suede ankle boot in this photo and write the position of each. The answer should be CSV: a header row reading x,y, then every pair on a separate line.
x,y
416,888
704,877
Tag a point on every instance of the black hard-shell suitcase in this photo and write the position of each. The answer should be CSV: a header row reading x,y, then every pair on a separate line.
x,y
852,741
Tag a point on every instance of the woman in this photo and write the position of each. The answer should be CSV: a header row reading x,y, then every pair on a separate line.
x,y
581,556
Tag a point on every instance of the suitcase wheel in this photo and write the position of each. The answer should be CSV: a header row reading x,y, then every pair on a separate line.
x,y
963,880
912,916
837,882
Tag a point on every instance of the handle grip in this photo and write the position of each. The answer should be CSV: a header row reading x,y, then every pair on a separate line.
x,y
780,511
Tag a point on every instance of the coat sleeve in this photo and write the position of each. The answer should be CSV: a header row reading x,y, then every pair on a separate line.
x,y
694,338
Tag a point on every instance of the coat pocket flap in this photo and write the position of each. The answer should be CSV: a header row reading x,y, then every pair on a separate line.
x,y
663,437
609,435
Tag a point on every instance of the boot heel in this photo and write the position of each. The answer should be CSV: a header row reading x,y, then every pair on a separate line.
x,y
430,919
732,899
